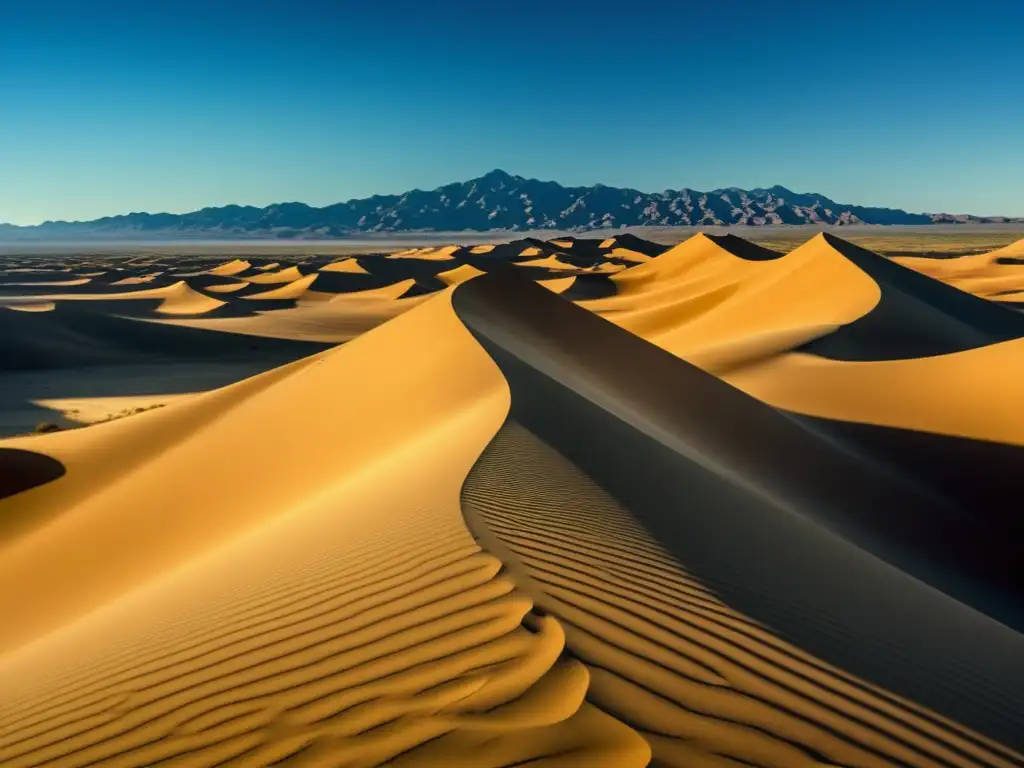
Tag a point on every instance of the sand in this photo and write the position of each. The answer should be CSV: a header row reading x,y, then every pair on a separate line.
x,y
349,265
702,505
984,274
548,262
458,275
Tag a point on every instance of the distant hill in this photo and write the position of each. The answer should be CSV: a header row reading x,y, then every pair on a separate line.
x,y
497,201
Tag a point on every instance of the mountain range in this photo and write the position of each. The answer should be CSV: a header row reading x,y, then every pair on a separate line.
x,y
498,201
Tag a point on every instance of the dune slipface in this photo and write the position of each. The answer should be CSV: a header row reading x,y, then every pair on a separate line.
x,y
744,511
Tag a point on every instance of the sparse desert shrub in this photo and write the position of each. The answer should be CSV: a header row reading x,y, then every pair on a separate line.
x,y
47,426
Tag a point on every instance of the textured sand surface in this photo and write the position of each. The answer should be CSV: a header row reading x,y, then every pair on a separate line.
x,y
579,502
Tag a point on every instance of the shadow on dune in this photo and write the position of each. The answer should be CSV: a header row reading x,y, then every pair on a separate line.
x,y
917,316
638,244
22,470
590,287
850,559
744,249
68,337
979,476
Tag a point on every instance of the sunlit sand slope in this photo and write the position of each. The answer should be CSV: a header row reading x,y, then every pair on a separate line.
x,y
721,297
990,275
787,529
325,615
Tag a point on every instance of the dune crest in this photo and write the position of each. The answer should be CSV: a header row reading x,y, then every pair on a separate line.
x,y
278,630
230,268
349,266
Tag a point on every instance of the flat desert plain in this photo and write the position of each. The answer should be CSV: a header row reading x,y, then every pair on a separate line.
x,y
566,501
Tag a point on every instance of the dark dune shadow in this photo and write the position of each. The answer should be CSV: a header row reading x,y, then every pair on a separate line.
x,y
744,249
977,475
592,286
69,337
22,470
638,244
917,316
424,285
346,282
847,558
1010,260
86,289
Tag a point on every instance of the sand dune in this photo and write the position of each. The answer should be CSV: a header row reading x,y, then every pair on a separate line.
x,y
345,265
558,284
549,354
230,268
340,319
49,283
458,275
548,262
427,254
286,275
708,293
175,299
293,290
627,255
28,305
226,287
431,656
983,274
751,508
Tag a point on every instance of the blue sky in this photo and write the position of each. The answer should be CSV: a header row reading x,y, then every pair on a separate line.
x,y
109,106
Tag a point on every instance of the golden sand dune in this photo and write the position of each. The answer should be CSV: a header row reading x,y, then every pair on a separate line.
x,y
984,274
138,280
293,290
393,291
286,275
276,630
492,529
458,275
701,296
230,268
27,305
339,319
427,254
351,266
897,393
226,287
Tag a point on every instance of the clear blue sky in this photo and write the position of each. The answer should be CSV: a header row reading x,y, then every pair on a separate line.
x,y
110,106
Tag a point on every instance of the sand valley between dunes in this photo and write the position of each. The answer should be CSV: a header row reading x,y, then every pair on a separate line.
x,y
569,502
